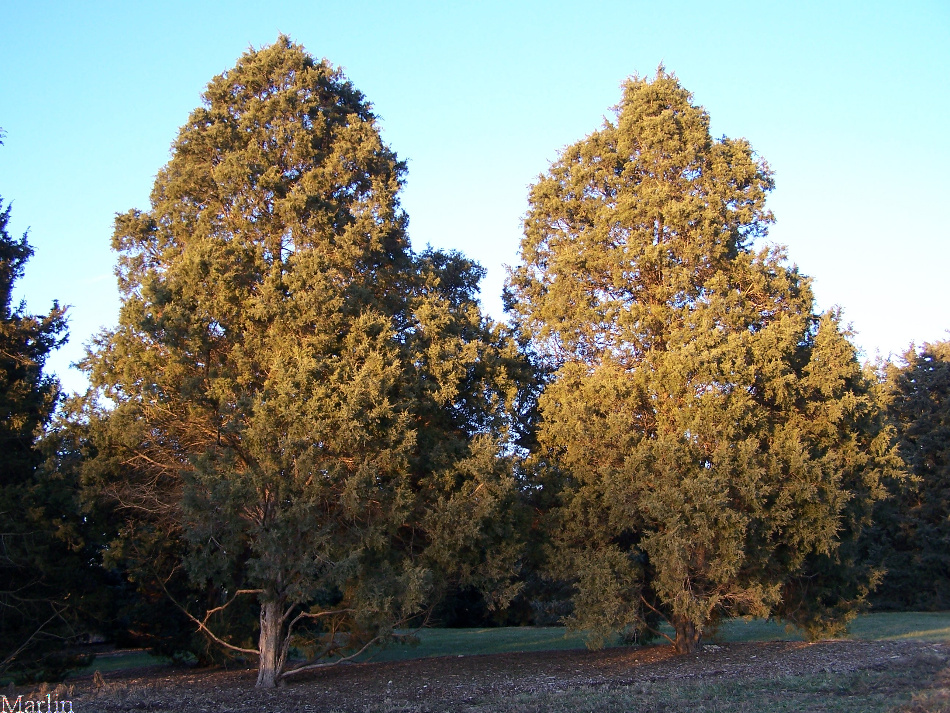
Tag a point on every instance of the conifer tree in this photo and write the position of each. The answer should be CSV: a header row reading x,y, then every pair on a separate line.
x,y
911,539
707,429
304,414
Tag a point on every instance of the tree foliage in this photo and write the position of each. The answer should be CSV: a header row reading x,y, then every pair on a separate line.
x,y
710,433
37,564
299,410
911,539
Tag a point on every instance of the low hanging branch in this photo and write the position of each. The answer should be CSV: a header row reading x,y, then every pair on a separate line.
x,y
12,657
657,611
330,664
203,623
314,664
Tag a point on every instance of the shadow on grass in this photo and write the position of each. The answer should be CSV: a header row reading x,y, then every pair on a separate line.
x,y
885,626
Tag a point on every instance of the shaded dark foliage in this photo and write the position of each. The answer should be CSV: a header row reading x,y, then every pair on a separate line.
x,y
911,538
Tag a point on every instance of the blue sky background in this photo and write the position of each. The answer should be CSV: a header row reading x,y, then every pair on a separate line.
x,y
847,101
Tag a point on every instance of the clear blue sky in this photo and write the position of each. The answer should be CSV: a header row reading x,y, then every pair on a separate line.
x,y
847,101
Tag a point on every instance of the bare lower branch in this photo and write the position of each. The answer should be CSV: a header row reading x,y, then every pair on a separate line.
x,y
330,664
318,615
202,627
230,601
12,657
657,611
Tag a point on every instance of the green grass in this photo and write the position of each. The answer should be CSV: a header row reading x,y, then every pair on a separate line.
x,y
902,626
919,626
471,642
887,626
742,630
120,661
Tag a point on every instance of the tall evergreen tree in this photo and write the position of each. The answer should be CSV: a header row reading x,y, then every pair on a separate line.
x,y
312,415
706,427
911,539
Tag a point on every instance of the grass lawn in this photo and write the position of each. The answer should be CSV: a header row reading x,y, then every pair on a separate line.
x,y
888,626
900,626
120,661
885,626
471,642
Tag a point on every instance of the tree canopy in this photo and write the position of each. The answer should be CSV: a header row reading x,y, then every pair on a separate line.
x,y
911,538
299,410
708,428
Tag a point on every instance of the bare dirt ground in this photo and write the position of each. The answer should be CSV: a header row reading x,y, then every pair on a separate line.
x,y
612,679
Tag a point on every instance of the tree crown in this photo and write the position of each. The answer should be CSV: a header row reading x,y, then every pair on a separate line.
x,y
637,226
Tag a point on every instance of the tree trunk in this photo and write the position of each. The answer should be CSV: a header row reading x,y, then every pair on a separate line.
x,y
687,636
271,644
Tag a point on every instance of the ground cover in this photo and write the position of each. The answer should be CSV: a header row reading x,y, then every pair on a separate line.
x,y
884,626
905,669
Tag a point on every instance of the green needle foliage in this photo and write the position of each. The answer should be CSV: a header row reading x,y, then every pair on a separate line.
x,y
715,440
299,413
912,535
